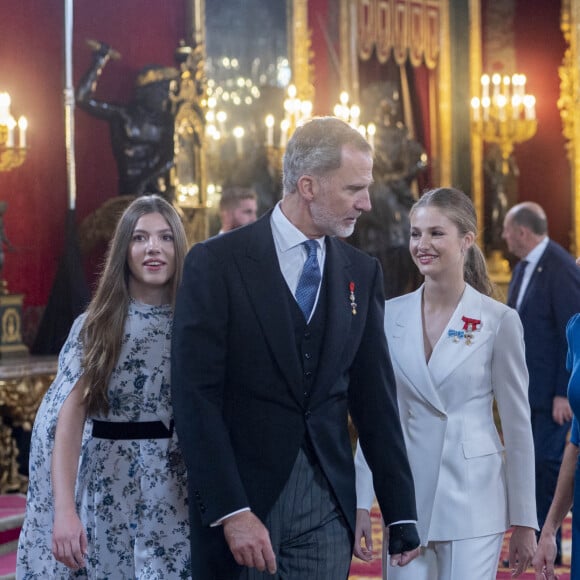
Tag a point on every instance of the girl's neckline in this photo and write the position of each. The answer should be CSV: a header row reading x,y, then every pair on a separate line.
x,y
143,305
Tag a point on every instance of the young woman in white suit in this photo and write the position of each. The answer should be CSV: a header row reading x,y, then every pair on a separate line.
x,y
455,350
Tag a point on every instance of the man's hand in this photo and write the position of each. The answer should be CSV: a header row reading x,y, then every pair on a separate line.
x,y
249,542
544,557
561,410
522,548
404,543
363,530
404,558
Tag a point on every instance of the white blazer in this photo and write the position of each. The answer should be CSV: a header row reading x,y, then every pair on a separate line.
x,y
467,483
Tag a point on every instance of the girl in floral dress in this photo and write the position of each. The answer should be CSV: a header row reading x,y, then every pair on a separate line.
x,y
107,494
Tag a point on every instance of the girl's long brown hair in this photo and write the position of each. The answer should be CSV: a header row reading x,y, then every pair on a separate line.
x,y
104,326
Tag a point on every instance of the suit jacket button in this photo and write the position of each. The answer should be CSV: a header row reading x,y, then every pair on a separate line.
x,y
307,415
202,508
306,394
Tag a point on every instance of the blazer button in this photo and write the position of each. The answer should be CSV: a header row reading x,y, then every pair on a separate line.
x,y
202,508
306,394
307,356
307,415
308,374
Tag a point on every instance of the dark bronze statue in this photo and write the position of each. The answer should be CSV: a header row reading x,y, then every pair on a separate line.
x,y
4,243
501,193
142,130
384,231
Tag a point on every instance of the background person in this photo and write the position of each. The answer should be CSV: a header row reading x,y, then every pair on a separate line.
x,y
238,207
545,290
564,499
284,338
455,350
566,494
107,496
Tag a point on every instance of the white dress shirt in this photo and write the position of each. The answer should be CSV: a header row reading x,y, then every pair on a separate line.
x,y
292,255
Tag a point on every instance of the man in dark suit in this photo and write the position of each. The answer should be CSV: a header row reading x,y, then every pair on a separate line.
x,y
545,289
278,334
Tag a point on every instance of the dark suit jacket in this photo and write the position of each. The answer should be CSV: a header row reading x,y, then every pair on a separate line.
x,y
551,298
240,412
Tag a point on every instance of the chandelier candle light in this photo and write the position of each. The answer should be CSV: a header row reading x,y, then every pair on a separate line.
x,y
296,112
504,113
351,114
11,156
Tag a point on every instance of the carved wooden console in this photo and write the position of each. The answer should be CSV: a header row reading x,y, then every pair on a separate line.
x,y
23,383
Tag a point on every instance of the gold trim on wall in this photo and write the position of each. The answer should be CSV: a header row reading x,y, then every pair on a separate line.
x,y
569,105
300,49
475,70
445,96
349,80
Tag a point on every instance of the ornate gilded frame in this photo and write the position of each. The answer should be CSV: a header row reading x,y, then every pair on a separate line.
x,y
569,105
475,71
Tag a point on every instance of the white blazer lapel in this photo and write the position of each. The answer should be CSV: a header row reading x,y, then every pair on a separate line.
x,y
453,348
404,330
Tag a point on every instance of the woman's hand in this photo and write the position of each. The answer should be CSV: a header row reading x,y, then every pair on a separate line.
x,y
522,548
69,540
363,530
545,557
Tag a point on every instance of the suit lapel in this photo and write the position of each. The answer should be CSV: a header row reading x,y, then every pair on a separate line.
x,y
338,314
406,341
267,291
450,353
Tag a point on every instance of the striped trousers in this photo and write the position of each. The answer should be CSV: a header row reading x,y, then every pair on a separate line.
x,y
309,534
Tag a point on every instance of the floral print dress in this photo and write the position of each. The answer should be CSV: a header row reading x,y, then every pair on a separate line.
x,y
131,494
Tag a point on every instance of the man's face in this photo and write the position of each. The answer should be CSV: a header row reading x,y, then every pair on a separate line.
x,y
342,195
245,213
513,235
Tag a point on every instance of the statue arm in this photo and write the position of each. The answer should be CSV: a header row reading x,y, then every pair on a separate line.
x,y
85,94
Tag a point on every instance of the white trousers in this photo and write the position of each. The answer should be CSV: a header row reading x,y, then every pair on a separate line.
x,y
474,558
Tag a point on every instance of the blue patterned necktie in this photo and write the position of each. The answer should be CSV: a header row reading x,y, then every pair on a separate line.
x,y
515,286
309,280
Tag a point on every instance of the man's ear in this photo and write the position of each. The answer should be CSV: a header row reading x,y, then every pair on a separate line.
x,y
307,187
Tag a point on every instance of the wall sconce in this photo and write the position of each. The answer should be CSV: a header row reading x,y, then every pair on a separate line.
x,y
11,156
